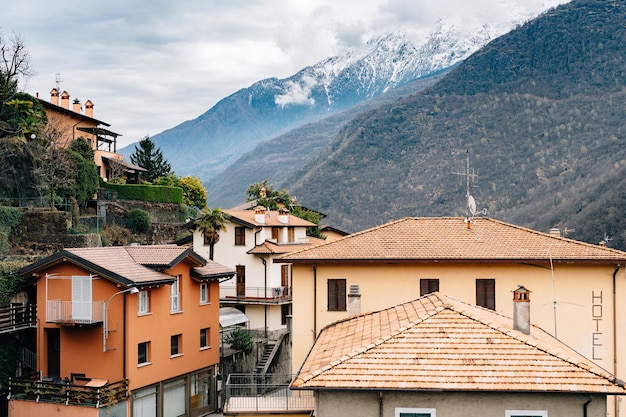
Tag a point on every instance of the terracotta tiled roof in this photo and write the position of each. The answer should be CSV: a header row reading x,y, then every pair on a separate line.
x,y
247,217
440,343
128,265
271,248
449,239
213,269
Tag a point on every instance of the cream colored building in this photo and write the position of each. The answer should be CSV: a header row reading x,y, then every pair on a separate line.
x,y
578,289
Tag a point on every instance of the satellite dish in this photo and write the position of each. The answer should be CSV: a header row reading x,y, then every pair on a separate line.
x,y
471,204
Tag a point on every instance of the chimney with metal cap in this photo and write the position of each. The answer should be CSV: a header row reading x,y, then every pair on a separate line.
x,y
354,300
521,309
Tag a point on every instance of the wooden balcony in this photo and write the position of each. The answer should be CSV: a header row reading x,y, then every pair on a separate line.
x,y
86,392
70,313
238,294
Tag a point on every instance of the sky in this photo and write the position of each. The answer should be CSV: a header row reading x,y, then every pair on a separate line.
x,y
149,65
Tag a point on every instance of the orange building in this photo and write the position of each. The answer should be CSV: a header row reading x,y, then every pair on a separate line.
x,y
134,329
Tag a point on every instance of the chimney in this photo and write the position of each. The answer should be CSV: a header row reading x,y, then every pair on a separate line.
x,y
54,96
259,214
76,106
263,192
354,300
283,215
555,232
88,108
521,309
65,100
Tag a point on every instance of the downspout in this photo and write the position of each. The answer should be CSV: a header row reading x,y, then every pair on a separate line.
x,y
124,340
255,235
615,331
586,404
314,301
265,291
380,404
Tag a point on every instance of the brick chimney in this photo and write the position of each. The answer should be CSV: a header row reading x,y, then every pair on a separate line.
x,y
76,106
54,96
259,214
283,215
65,100
521,309
88,108
354,300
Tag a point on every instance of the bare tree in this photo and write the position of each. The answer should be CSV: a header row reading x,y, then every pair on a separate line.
x,y
14,64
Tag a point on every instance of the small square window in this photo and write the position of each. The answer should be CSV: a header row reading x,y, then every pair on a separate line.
x,y
204,338
428,285
240,236
204,293
143,353
175,345
415,412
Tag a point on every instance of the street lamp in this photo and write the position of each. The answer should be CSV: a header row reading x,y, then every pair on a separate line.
x,y
105,325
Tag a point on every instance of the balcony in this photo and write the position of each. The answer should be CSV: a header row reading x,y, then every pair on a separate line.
x,y
254,295
249,393
86,392
69,313
18,317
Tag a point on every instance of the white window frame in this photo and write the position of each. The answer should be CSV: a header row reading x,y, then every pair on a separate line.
x,y
175,296
204,293
400,411
143,302
515,413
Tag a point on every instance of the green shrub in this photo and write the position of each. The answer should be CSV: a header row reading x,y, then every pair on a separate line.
x,y
9,218
240,340
146,192
138,220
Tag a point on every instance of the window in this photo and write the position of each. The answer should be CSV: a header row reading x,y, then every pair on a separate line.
x,y
428,285
415,412
204,293
284,312
143,353
143,302
145,402
240,236
175,296
175,345
291,234
174,403
241,280
276,233
526,413
336,295
204,338
486,293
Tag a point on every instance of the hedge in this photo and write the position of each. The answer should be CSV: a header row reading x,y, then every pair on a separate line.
x,y
142,192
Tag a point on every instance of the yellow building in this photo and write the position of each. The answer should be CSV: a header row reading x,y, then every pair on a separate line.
x,y
577,288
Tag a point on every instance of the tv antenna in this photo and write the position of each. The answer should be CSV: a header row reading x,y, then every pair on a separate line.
x,y
470,177
58,81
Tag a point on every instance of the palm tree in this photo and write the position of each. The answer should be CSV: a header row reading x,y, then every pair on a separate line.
x,y
210,223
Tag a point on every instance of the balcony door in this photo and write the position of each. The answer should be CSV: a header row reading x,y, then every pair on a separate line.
x,y
81,298
241,280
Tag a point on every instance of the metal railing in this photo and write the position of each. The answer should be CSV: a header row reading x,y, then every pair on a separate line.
x,y
65,392
74,312
270,392
271,294
18,317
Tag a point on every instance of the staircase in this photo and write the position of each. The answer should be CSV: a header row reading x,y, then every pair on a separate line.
x,y
266,359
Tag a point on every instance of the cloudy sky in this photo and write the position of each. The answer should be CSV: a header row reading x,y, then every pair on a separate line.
x,y
149,65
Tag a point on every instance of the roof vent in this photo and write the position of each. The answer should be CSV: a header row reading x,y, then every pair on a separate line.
x,y
521,309
354,300
555,232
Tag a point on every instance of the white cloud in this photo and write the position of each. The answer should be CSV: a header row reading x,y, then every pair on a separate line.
x,y
297,93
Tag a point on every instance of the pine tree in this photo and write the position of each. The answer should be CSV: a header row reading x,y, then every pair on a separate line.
x,y
149,157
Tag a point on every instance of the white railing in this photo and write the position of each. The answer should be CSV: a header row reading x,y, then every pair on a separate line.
x,y
265,293
74,312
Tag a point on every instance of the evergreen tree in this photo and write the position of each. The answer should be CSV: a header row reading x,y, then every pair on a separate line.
x,y
149,157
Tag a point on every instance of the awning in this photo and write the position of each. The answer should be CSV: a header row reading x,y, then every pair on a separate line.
x,y
230,316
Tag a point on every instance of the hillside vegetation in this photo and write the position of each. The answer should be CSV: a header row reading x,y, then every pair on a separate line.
x,y
541,112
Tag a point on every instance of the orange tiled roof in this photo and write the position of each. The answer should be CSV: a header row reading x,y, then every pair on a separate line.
x,y
440,343
247,216
448,238
271,248
213,269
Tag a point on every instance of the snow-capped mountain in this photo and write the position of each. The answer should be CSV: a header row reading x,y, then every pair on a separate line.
x,y
206,145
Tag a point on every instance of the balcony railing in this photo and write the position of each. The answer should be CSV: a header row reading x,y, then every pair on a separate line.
x,y
74,312
255,294
103,394
17,317
254,393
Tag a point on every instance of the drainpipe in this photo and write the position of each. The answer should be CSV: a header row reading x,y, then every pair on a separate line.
x,y
586,404
380,404
124,341
255,235
265,291
314,301
617,267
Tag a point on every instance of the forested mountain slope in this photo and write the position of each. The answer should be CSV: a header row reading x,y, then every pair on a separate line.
x,y
541,112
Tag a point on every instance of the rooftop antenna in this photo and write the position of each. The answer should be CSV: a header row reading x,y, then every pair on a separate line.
x,y
58,81
470,177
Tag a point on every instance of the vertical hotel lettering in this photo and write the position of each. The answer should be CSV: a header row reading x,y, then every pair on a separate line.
x,y
596,317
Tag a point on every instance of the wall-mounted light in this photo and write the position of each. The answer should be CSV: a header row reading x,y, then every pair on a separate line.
x,y
105,326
